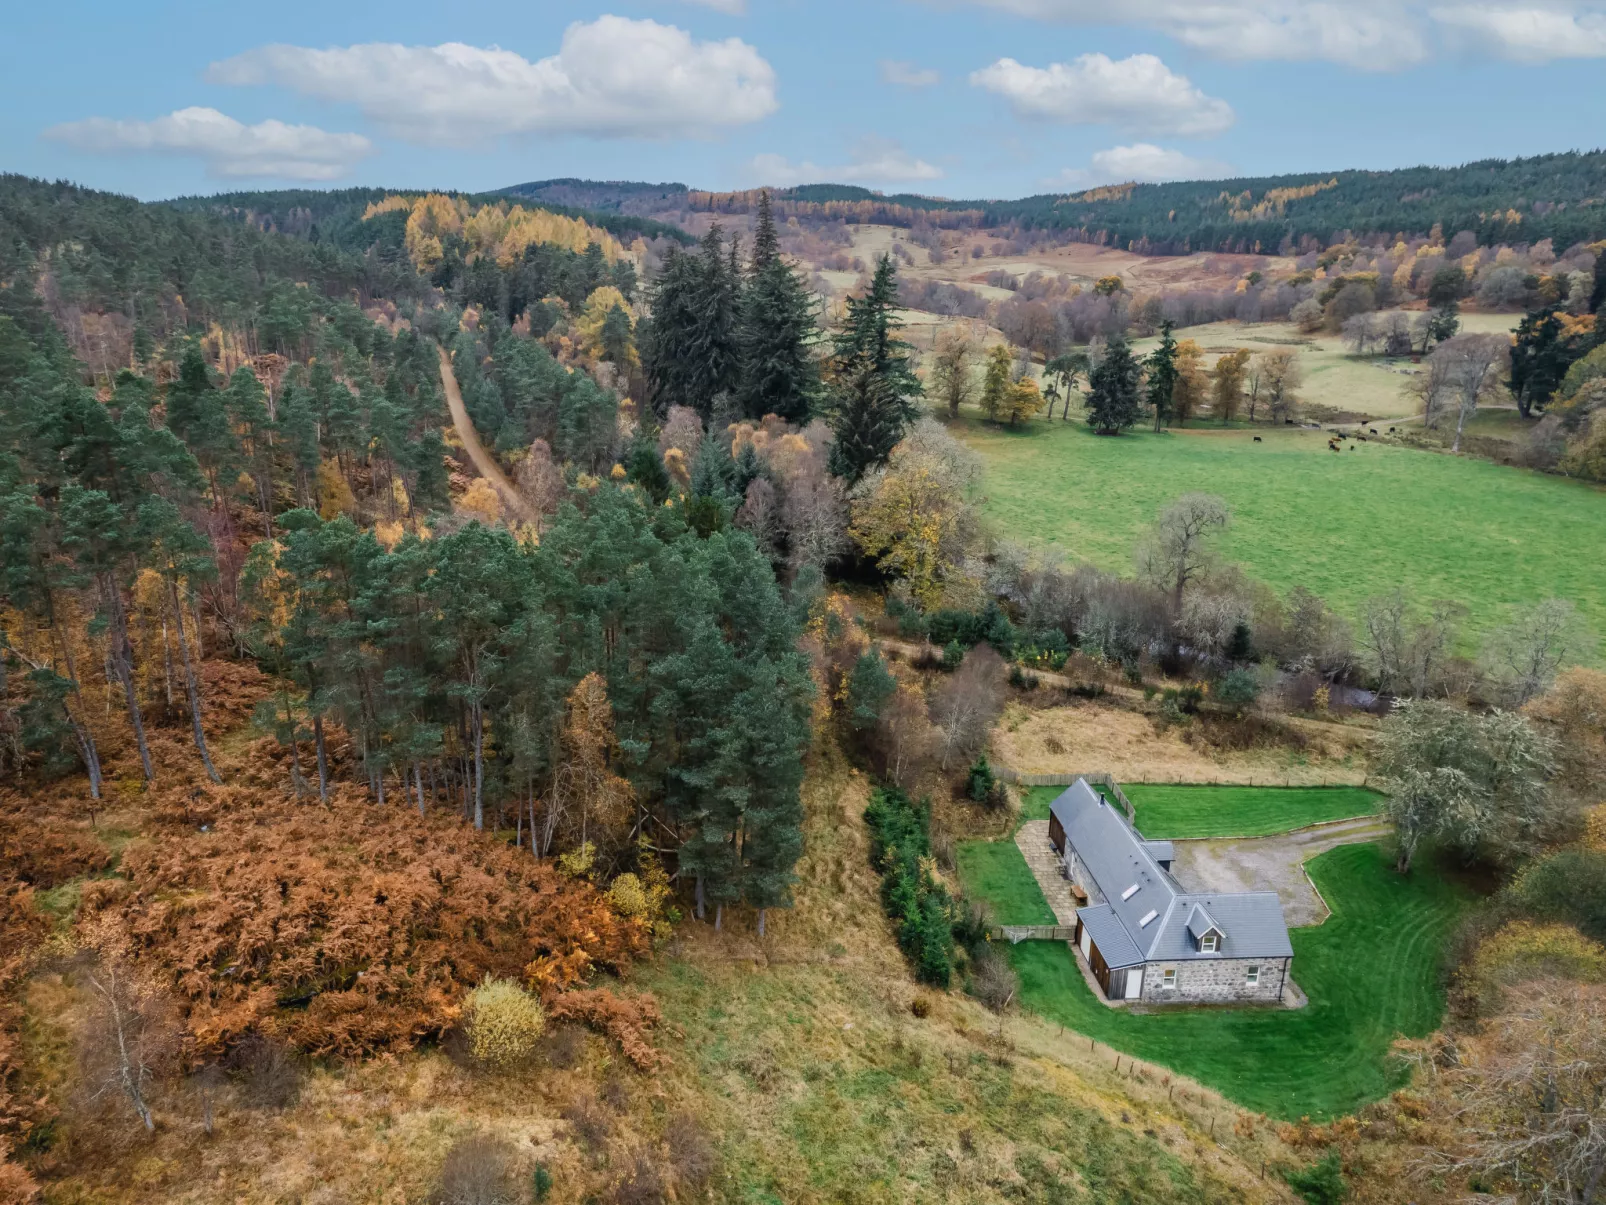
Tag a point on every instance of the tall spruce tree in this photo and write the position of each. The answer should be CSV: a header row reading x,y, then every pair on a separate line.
x,y
1112,401
873,386
776,333
1163,376
689,350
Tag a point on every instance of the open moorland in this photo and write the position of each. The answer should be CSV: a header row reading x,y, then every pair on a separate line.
x,y
1346,526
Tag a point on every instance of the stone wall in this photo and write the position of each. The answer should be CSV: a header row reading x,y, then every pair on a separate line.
x,y
1215,980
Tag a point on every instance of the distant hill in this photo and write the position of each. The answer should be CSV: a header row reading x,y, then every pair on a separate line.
x,y
1561,197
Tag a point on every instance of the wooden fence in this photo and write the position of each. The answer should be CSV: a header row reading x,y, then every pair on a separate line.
x,y
1107,781
1014,934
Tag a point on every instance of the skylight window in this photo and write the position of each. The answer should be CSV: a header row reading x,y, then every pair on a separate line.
x,y
1130,892
1147,917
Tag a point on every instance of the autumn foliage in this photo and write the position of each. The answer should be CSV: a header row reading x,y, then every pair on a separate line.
x,y
349,933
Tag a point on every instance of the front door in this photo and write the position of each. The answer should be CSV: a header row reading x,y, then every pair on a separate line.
x,y
1134,984
1087,944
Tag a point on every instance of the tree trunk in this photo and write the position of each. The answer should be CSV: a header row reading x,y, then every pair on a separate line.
x,y
86,739
418,788
698,897
123,664
479,767
191,686
323,758
761,914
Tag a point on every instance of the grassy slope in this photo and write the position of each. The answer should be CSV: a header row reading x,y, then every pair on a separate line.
x,y
1371,972
1182,812
1346,525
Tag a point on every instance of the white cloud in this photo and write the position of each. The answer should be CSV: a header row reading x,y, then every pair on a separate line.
x,y
230,149
1370,34
1140,95
907,75
734,8
873,161
1141,163
612,78
1529,33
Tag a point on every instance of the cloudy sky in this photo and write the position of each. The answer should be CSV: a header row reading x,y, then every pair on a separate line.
x,y
962,98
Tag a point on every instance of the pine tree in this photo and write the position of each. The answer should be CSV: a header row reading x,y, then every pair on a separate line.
x,y
1597,296
1112,402
776,333
1162,376
198,414
690,351
873,386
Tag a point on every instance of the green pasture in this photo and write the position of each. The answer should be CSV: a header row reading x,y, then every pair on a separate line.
x,y
1166,812
1371,971
1346,525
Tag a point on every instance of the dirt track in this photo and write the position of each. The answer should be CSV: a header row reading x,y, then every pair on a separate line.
x,y
483,461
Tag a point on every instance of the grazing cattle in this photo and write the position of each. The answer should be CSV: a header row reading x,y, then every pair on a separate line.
x,y
1371,430
1258,439
1352,447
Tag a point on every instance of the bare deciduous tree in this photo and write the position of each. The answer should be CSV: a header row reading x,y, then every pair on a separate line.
x,y
1524,657
130,1036
1281,377
1177,549
1473,368
1408,653
1434,388
965,707
1530,1099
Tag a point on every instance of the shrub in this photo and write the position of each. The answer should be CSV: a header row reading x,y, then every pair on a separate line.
x,y
900,848
993,981
869,688
1321,1183
953,655
1520,952
988,626
1238,690
981,780
692,1154
541,1182
505,1023
269,1073
479,1171
642,1185
564,1047
1569,887
588,1120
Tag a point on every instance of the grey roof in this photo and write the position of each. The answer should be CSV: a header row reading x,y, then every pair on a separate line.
x,y
1201,922
1163,851
1110,937
1152,922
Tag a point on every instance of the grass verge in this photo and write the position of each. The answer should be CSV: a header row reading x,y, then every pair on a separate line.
x,y
1371,972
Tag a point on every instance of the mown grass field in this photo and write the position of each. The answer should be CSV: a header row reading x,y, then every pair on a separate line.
x,y
1371,972
1166,812
1345,525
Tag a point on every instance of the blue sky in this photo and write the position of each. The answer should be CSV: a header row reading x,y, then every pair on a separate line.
x,y
963,98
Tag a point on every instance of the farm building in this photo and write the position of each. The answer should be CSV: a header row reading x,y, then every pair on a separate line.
x,y
1144,937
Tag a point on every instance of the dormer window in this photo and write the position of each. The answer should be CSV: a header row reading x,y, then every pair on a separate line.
x,y
1130,892
1210,943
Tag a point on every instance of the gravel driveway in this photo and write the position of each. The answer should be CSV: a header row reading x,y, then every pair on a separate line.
x,y
1271,863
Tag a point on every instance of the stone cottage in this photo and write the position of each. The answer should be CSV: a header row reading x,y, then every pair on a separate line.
x,y
1143,936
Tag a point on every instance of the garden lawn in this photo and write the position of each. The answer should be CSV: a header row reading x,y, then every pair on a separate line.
x,y
996,871
1177,813
1181,812
1371,972
1345,525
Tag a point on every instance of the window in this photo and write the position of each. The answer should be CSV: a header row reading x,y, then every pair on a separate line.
x,y
1148,918
1253,976
1210,943
1130,892
1169,979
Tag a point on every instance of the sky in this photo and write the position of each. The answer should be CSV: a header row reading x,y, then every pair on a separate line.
x,y
955,98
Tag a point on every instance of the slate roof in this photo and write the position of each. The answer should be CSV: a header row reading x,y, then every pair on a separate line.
x,y
1163,851
1118,859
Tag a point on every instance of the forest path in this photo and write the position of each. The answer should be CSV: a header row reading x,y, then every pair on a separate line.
x,y
483,461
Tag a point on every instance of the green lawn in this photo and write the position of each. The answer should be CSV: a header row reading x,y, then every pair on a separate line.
x,y
1347,525
1371,972
1167,812
1180,812
996,871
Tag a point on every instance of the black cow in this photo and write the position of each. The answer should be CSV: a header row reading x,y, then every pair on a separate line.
x,y
1259,440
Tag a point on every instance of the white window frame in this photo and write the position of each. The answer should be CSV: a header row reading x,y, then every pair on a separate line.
x,y
1210,943
1168,979
1252,976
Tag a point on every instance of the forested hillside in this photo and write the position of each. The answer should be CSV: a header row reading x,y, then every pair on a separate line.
x,y
1561,197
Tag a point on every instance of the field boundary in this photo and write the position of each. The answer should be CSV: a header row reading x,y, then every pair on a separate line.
x,y
1065,780
1015,934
